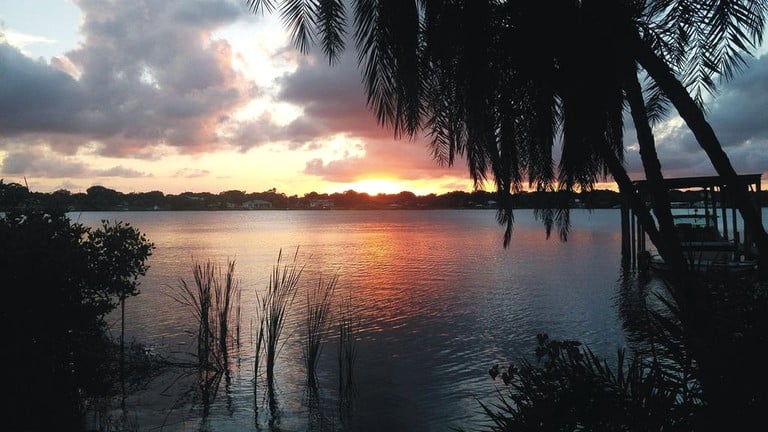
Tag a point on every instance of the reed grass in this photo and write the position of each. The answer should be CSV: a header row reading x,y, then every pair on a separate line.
x,y
211,299
197,298
259,344
347,347
238,316
273,306
226,295
318,313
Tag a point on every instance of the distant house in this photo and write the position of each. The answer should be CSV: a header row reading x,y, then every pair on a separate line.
x,y
322,204
257,205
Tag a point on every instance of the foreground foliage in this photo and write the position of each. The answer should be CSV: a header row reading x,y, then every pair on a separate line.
x,y
60,280
690,371
572,389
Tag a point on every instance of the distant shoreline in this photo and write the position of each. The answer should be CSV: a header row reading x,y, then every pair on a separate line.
x,y
98,198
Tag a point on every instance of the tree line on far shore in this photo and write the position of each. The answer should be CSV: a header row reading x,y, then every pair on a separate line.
x,y
100,198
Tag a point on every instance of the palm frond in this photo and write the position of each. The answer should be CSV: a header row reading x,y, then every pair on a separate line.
x,y
299,17
444,121
704,41
331,22
377,65
259,6
734,29
656,104
387,40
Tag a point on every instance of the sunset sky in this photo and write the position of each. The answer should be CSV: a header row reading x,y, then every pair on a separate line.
x,y
202,95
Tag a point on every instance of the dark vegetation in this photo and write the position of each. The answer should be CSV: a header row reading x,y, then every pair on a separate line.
x,y
99,198
682,373
60,280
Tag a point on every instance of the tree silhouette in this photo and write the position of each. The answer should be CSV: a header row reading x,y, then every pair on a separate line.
x,y
60,280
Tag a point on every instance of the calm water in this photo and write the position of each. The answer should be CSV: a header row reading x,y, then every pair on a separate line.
x,y
438,301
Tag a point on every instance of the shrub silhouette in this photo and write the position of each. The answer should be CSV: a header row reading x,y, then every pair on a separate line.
x,y
60,279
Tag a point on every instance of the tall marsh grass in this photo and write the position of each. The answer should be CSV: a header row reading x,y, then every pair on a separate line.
x,y
226,296
318,314
347,348
272,307
213,299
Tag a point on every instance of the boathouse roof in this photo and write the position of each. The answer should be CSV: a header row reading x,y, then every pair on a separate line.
x,y
705,181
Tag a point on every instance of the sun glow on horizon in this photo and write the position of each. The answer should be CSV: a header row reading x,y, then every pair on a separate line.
x,y
375,186
393,185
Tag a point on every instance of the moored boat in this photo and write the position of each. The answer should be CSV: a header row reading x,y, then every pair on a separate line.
x,y
705,248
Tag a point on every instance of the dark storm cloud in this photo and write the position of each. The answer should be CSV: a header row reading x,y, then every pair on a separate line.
x,y
36,96
739,115
148,73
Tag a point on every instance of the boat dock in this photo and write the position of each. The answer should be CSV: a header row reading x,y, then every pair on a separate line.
x,y
713,209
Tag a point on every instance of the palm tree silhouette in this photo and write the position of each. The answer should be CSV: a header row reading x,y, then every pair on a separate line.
x,y
499,83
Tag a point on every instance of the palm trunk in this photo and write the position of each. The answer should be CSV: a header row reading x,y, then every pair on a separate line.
x,y
659,194
628,191
683,283
705,135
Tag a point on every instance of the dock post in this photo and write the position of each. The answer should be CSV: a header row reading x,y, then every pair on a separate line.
x,y
724,211
626,248
735,229
747,236
633,239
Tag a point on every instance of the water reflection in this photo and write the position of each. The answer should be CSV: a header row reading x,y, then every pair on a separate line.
x,y
435,300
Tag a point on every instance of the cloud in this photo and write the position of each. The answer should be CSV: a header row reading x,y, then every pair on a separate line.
x,y
148,73
333,102
22,39
739,113
120,171
738,116
404,159
333,98
192,173
34,162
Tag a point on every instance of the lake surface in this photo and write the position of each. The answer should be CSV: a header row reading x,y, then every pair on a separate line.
x,y
437,301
